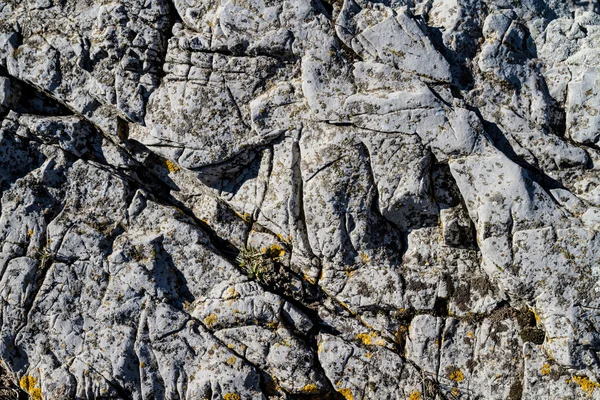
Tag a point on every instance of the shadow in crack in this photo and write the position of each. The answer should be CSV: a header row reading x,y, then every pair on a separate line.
x,y
9,389
459,230
501,143
230,175
25,98
17,158
168,278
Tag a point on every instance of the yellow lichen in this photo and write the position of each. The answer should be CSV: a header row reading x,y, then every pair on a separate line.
x,y
347,393
455,391
272,324
309,279
369,355
284,239
470,334
30,233
365,257
231,396
245,216
28,384
366,338
416,395
310,388
371,338
537,317
456,375
586,384
230,294
171,166
231,360
275,251
545,369
210,320
142,364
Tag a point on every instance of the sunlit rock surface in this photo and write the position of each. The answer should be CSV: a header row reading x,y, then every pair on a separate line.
x,y
300,199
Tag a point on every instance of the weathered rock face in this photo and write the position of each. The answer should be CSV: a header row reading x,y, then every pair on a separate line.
x,y
300,199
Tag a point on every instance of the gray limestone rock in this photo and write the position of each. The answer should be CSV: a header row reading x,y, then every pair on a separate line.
x,y
298,199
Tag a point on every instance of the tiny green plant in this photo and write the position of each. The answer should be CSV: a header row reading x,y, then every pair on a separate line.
x,y
256,264
45,256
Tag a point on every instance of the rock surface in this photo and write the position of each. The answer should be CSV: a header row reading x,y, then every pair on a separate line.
x,y
298,199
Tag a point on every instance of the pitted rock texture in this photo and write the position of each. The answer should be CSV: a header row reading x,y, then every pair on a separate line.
x,y
300,199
